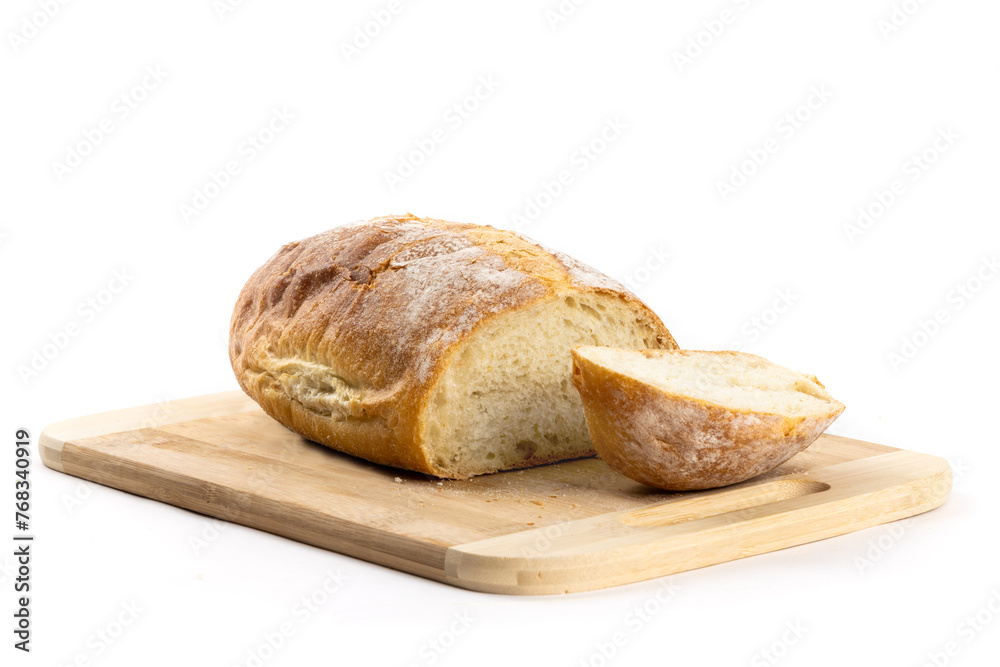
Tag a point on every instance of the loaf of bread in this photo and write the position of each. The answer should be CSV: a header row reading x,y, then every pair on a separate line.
x,y
686,419
428,345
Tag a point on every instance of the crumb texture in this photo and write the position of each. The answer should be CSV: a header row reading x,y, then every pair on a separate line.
x,y
743,382
507,400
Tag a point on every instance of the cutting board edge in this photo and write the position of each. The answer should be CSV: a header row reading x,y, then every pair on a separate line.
x,y
493,565
55,436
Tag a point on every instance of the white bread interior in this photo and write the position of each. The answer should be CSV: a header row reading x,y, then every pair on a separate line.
x,y
740,382
507,401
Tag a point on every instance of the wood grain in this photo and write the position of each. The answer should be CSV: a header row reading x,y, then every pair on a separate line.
x,y
566,527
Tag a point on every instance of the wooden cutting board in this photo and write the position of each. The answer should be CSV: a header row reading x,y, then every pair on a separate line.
x,y
559,528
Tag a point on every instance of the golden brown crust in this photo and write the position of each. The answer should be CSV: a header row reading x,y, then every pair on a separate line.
x,y
682,443
379,306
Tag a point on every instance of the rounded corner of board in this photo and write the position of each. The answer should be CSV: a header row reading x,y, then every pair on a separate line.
x,y
507,574
50,447
927,475
941,482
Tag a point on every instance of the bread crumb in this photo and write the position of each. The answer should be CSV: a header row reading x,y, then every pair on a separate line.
x,y
399,480
552,496
538,502
531,523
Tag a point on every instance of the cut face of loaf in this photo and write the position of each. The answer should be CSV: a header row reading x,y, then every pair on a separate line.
x,y
506,399
428,345
685,419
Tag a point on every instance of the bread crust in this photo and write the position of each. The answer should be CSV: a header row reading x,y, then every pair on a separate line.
x,y
681,443
342,336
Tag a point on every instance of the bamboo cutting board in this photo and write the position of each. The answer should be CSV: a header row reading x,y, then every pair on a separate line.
x,y
559,528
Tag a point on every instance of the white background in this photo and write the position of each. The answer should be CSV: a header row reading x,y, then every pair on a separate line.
x,y
882,596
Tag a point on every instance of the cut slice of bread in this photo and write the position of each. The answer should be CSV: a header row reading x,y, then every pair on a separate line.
x,y
686,419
